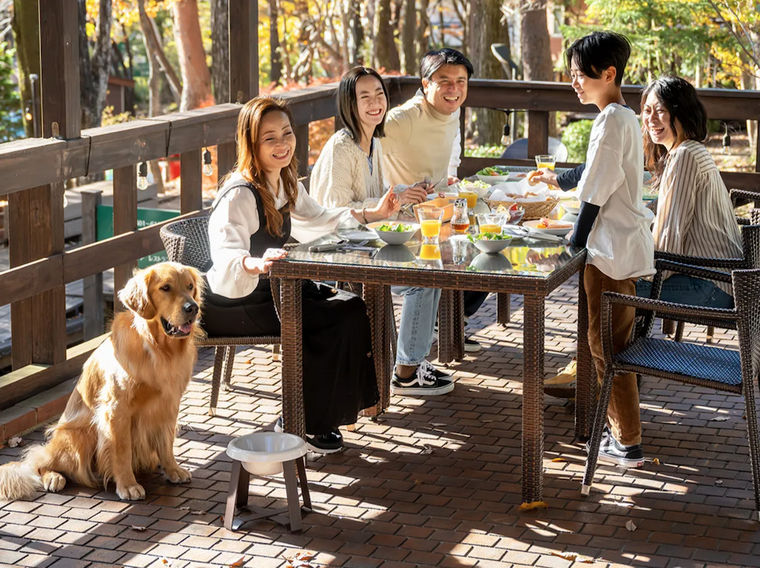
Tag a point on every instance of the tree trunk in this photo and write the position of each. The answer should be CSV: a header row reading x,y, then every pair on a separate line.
x,y
385,53
94,70
26,33
275,71
302,68
196,79
220,51
408,49
356,33
423,28
152,39
485,17
536,54
536,51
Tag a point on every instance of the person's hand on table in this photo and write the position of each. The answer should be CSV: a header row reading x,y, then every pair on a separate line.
x,y
255,265
413,194
547,176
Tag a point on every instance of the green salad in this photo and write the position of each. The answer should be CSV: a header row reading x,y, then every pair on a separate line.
x,y
489,237
494,171
395,227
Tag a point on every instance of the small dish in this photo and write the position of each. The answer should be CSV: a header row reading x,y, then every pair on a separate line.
x,y
558,228
491,246
493,174
356,235
396,232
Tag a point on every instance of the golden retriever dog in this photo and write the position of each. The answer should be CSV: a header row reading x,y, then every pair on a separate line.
x,y
122,416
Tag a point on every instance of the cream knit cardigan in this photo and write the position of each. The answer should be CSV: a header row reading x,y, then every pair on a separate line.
x,y
341,176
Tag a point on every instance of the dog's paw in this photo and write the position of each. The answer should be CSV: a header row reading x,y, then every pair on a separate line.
x,y
53,481
131,492
178,475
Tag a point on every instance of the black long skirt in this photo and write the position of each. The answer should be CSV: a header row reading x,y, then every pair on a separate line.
x,y
338,374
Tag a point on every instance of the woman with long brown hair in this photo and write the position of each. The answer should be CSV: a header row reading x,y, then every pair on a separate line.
x,y
260,205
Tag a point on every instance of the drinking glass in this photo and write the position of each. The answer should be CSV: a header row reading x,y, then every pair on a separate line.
x,y
430,223
491,222
545,162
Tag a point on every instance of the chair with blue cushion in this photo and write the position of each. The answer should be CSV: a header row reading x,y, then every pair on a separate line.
x,y
734,371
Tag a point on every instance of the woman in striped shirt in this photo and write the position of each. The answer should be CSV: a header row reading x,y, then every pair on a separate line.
x,y
695,216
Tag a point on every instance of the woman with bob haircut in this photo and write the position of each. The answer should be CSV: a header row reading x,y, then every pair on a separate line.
x,y
349,169
695,216
260,204
348,172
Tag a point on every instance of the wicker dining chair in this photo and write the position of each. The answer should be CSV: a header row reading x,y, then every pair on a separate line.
x,y
723,369
186,241
670,262
751,196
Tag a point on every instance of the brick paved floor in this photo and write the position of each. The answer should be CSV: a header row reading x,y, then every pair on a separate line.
x,y
434,482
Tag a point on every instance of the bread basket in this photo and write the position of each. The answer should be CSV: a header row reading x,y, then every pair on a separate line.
x,y
533,209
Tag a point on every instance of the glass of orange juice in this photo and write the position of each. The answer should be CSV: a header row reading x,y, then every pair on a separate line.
x,y
430,224
545,162
471,197
491,222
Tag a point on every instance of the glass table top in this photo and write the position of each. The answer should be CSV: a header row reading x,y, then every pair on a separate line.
x,y
524,256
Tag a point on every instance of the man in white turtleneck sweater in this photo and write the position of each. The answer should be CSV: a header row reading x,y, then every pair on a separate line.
x,y
422,142
421,136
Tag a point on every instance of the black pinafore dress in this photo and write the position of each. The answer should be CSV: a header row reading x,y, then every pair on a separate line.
x,y
338,373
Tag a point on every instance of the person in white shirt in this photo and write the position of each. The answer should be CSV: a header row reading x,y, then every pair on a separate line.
x,y
613,223
695,216
349,172
252,217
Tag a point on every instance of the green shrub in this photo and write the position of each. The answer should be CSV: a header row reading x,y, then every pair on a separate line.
x,y
487,151
576,136
11,125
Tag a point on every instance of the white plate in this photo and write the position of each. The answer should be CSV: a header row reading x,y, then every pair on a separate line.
x,y
559,232
356,236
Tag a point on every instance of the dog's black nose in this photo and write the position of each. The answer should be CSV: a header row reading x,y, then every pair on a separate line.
x,y
190,308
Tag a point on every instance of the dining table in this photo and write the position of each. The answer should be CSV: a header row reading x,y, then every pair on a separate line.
x,y
530,266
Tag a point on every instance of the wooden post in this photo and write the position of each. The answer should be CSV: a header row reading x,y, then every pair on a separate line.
x,y
302,149
124,221
244,50
35,224
225,159
538,132
191,195
92,295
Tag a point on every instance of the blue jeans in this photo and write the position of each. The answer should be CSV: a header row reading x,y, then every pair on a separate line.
x,y
418,314
684,289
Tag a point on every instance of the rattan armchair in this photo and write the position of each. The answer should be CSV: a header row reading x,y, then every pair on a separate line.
x,y
750,196
186,241
719,368
705,268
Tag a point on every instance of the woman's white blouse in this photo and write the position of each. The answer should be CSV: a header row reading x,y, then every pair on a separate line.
x,y
235,218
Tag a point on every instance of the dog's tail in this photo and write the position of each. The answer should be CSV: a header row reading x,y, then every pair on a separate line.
x,y
20,480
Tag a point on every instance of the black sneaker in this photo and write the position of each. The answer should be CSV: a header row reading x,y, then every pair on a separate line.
x,y
428,367
325,443
423,382
471,346
613,452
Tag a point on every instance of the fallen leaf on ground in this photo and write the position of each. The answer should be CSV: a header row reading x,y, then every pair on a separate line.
x,y
630,525
718,482
238,562
559,460
301,560
138,528
15,442
573,557
426,449
656,461
533,505
166,561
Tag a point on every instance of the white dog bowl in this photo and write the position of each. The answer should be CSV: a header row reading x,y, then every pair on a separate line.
x,y
262,453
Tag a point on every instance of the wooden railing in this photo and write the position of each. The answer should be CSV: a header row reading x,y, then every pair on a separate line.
x,y
28,165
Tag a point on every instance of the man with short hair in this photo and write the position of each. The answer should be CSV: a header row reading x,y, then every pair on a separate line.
x,y
422,136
